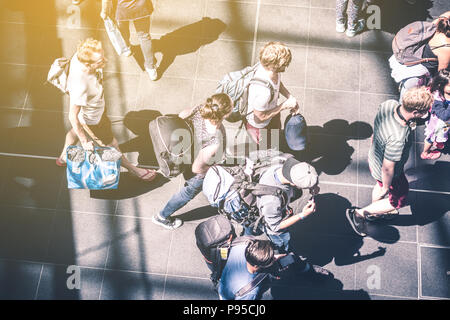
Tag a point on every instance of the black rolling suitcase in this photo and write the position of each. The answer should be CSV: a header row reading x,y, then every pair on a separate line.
x,y
172,139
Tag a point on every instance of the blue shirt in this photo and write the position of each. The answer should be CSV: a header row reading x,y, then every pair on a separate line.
x,y
235,276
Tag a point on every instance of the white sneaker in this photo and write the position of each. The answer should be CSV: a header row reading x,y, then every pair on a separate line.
x,y
127,53
351,32
168,223
340,27
152,73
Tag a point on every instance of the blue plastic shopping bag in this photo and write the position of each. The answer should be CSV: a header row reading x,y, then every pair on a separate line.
x,y
95,170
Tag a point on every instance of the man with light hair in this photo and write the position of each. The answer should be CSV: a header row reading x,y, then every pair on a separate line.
x,y
391,142
263,108
87,113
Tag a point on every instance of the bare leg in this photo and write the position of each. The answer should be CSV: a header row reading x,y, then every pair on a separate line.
x,y
140,172
376,208
426,147
71,139
375,191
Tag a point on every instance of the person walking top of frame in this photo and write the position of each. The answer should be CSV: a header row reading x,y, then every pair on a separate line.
x,y
138,12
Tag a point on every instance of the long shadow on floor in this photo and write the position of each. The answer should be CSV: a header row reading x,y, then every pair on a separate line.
x,y
327,147
396,14
302,293
186,39
138,122
327,235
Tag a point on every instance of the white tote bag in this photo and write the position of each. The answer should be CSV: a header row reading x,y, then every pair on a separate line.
x,y
116,38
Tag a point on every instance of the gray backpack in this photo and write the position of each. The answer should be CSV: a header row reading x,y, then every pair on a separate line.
x,y
236,84
410,41
239,184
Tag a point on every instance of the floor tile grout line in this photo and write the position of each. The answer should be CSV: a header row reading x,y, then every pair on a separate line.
x,y
391,296
305,79
107,257
359,119
51,264
167,266
220,39
433,298
114,220
323,182
39,283
419,271
197,63
255,31
422,244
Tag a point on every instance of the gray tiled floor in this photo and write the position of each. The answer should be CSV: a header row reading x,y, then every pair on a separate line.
x,y
45,228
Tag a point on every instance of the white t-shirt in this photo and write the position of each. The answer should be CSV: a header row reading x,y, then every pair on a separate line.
x,y
259,97
86,91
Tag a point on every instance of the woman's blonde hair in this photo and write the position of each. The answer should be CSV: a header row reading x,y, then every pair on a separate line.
x,y
417,99
86,50
216,107
275,56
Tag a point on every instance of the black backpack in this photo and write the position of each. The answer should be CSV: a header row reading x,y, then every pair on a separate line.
x,y
214,238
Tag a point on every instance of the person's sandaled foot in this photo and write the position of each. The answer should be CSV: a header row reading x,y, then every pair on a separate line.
x,y
439,145
60,162
148,176
431,155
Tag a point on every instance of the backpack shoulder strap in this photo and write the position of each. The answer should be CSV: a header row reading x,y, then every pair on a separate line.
x,y
266,190
442,46
264,83
252,284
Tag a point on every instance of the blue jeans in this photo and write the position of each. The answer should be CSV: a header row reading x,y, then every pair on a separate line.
x,y
192,187
280,241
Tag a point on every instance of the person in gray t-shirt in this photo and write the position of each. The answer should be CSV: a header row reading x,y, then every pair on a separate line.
x,y
292,176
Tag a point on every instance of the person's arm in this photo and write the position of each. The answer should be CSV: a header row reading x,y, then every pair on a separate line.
x,y
387,174
261,116
443,58
204,159
258,100
78,128
291,102
186,113
307,210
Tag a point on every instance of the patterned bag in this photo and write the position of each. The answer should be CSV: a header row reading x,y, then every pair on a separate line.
x,y
94,170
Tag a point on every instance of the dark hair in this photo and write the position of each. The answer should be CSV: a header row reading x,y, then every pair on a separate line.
x,y
443,26
439,81
259,253
216,107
